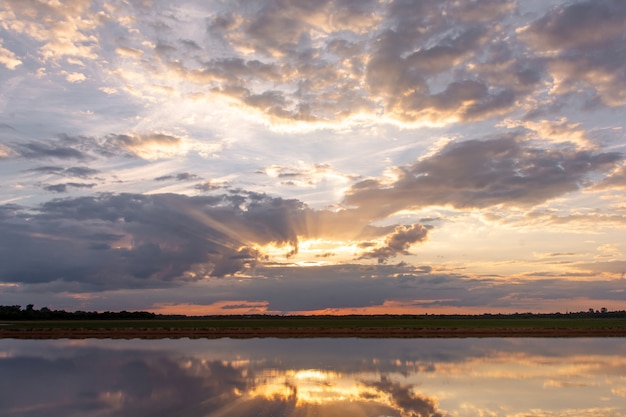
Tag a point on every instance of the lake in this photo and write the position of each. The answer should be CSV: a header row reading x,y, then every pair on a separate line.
x,y
486,377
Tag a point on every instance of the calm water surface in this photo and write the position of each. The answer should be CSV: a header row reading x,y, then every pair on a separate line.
x,y
314,377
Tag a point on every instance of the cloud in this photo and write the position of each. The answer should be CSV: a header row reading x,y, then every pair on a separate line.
x,y
481,173
183,176
346,288
583,25
398,242
574,219
611,267
431,64
60,29
58,149
340,59
155,145
8,58
129,52
76,77
305,175
210,186
168,239
78,172
277,27
465,100
615,181
5,151
162,238
62,188
582,42
402,82
150,146
557,131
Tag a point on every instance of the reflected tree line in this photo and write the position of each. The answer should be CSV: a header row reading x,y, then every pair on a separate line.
x,y
16,312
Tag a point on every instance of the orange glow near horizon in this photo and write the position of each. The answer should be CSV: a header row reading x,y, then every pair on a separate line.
x,y
241,307
231,307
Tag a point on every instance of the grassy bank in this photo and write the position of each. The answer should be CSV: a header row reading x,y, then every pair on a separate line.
x,y
326,322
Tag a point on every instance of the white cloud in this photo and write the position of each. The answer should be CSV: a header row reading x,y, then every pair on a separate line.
x,y
8,58
75,77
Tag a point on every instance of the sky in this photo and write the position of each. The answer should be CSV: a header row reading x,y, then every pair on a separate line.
x,y
327,157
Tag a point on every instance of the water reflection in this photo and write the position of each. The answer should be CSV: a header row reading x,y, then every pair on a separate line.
x,y
314,377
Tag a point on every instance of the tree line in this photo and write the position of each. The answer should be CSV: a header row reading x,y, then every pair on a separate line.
x,y
17,313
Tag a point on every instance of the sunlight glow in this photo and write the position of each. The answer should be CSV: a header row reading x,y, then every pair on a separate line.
x,y
312,252
310,386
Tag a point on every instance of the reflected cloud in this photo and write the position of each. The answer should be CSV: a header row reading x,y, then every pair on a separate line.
x,y
369,378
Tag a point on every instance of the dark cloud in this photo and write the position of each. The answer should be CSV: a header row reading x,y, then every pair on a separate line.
x,y
80,148
189,44
467,100
401,76
582,25
40,150
398,242
477,174
77,172
80,172
62,188
163,238
84,148
183,176
584,42
48,169
280,26
345,287
340,288
210,186
399,71
484,10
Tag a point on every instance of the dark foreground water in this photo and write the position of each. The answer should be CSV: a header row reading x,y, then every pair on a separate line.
x,y
314,377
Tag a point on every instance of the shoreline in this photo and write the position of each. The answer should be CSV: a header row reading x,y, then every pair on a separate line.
x,y
307,332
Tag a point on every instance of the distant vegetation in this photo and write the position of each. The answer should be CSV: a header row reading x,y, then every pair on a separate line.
x,y
17,313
